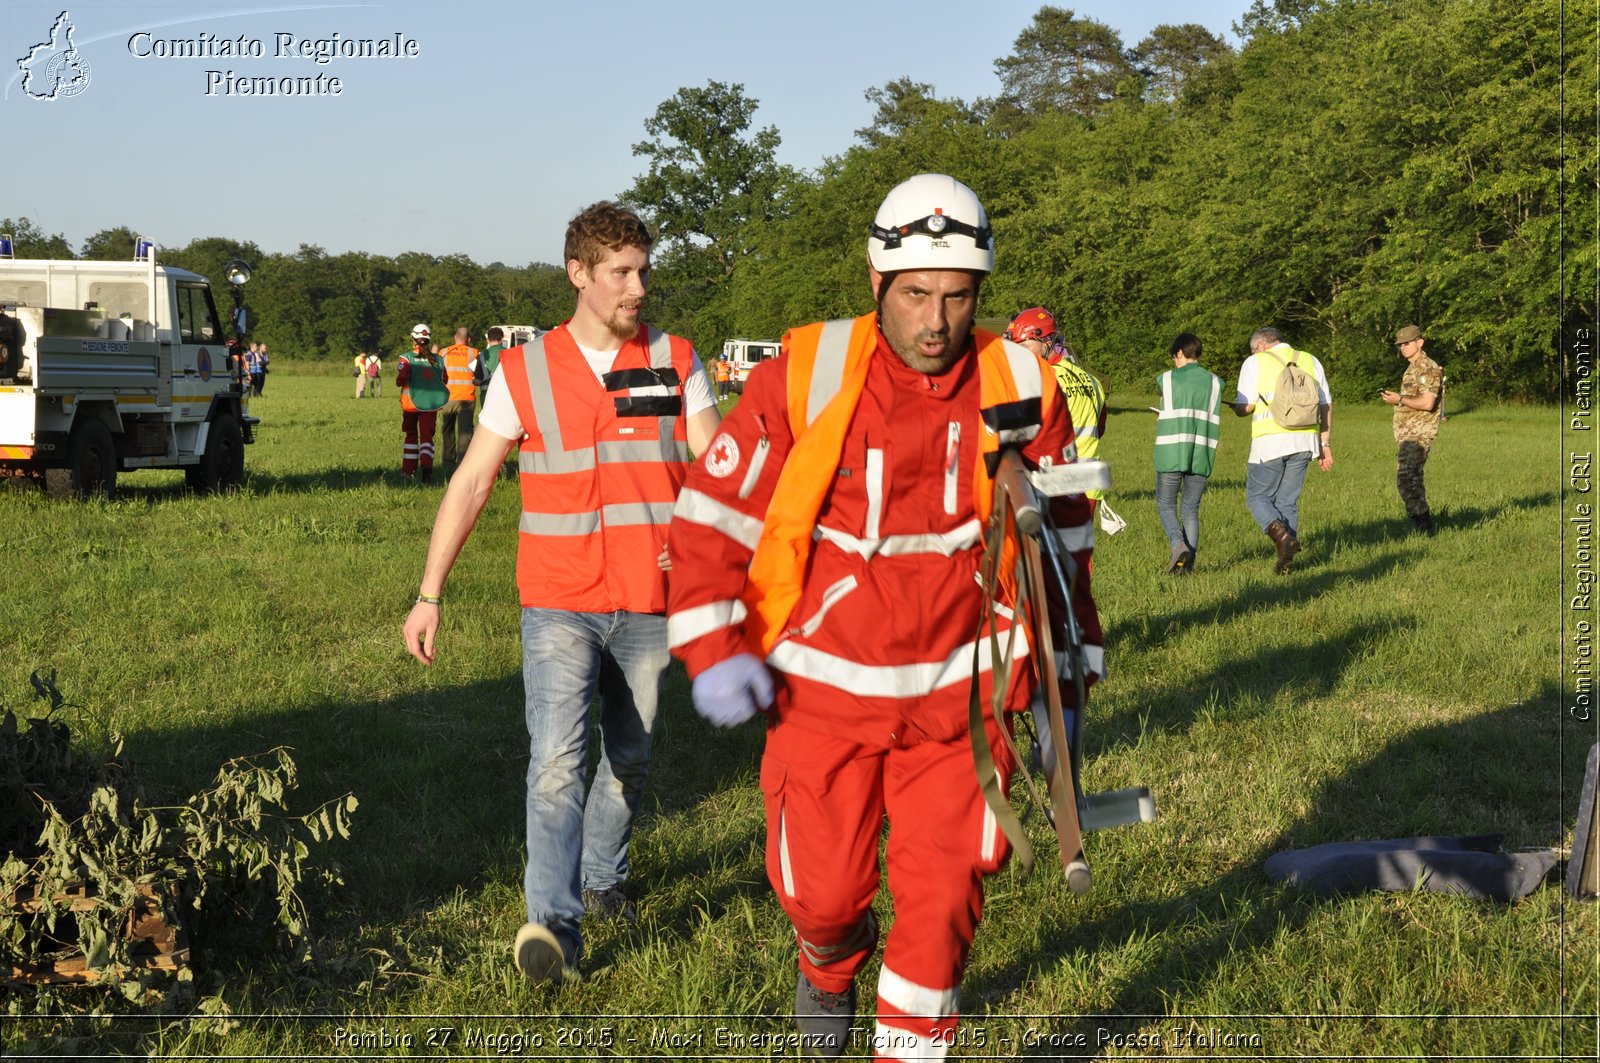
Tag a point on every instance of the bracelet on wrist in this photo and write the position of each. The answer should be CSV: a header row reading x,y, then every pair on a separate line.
x,y
430,599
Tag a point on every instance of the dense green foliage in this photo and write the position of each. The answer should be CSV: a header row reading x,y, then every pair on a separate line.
x,y
1355,165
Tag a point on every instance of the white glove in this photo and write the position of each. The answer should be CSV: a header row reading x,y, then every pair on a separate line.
x,y
730,692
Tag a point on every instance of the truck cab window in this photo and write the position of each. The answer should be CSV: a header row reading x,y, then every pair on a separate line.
x,y
197,315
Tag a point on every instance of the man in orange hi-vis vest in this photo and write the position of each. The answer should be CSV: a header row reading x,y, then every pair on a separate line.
x,y
832,537
455,419
604,412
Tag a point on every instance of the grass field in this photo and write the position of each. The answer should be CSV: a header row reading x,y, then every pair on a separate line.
x,y
1393,685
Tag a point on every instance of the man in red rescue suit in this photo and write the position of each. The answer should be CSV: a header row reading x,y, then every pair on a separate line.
x,y
604,412
826,555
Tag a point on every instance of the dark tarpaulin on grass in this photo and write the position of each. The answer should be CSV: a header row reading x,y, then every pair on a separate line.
x,y
1470,866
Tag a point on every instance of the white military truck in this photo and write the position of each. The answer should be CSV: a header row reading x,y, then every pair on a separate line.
x,y
111,366
745,355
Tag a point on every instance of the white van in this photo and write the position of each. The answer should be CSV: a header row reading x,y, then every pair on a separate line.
x,y
745,355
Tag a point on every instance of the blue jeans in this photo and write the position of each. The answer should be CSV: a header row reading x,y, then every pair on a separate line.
x,y
575,845
1272,490
1168,485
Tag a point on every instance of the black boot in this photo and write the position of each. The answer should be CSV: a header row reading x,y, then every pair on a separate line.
x,y
823,1019
1287,545
1424,523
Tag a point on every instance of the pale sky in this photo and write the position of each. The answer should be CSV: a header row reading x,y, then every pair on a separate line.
x,y
509,118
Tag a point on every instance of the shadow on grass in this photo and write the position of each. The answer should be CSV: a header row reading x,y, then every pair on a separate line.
x,y
1307,667
440,775
1452,520
1485,775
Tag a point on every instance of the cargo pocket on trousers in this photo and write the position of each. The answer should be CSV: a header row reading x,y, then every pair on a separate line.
x,y
779,867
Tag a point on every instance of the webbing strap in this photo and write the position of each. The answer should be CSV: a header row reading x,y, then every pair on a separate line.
x,y
1031,608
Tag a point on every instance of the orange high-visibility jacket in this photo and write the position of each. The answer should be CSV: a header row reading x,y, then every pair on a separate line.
x,y
834,527
458,372
601,464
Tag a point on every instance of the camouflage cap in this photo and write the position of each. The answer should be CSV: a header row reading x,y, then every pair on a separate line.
x,y
1407,334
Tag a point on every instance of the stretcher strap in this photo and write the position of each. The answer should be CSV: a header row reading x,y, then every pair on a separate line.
x,y
1031,608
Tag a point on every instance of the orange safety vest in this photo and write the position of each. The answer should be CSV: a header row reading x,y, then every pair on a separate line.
x,y
458,372
828,365
722,371
601,466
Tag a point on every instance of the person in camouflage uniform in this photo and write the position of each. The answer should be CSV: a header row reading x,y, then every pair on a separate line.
x,y
1417,413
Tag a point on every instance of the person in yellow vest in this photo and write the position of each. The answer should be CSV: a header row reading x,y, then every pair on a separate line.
x,y
1035,328
603,412
1279,456
833,535
361,374
455,419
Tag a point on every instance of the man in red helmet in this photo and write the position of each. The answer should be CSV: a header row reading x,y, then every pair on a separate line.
x,y
1035,328
852,483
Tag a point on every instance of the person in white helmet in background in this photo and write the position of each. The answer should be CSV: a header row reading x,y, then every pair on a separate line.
x,y
825,557
423,391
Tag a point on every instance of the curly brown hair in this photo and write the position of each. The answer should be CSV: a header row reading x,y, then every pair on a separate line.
x,y
601,229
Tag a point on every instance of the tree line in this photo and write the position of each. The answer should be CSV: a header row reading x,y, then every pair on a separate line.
x,y
1354,165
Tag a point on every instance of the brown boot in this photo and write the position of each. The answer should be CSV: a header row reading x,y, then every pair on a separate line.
x,y
1287,546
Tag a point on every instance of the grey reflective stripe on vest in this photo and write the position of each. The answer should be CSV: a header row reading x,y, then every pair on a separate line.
x,y
1029,375
1025,370
630,514
555,458
559,523
644,450
661,358
636,513
827,373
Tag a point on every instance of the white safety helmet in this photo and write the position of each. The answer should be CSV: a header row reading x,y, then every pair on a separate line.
x,y
420,333
930,221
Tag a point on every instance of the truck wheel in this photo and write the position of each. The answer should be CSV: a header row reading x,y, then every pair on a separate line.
x,y
92,465
221,467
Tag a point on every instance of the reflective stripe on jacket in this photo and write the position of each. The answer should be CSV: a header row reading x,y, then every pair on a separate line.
x,y
1190,420
458,359
835,526
601,465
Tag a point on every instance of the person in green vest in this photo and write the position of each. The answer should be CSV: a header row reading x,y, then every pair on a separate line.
x,y
1188,425
483,370
421,381
488,361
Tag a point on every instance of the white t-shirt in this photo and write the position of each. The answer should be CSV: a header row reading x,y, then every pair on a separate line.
x,y
499,414
1278,444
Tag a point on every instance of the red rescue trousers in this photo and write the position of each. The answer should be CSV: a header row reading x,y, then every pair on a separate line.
x,y
826,799
418,426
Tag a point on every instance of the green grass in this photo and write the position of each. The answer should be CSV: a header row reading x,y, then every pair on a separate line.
x,y
1393,685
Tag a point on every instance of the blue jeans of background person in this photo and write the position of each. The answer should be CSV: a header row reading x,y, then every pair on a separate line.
x,y
1184,535
575,844
1272,490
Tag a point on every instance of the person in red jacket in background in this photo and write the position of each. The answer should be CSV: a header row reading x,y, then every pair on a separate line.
x,y
825,556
